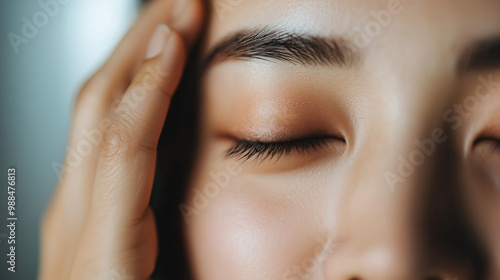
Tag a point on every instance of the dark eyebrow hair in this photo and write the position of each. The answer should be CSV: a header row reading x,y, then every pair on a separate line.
x,y
482,55
276,44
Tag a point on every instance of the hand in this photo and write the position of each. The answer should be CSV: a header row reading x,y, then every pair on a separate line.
x,y
99,224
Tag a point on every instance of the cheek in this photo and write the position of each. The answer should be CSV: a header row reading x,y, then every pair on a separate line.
x,y
253,230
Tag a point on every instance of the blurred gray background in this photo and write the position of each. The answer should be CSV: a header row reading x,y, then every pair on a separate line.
x,y
39,79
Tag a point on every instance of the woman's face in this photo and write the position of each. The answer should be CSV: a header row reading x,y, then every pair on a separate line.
x,y
348,140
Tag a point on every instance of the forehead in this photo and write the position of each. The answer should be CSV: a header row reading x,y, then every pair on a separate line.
x,y
449,23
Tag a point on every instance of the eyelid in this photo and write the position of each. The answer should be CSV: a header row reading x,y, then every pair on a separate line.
x,y
486,138
247,149
487,148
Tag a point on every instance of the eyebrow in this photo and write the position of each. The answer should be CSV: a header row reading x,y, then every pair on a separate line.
x,y
270,44
482,55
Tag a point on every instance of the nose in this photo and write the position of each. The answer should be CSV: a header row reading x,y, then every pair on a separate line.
x,y
377,242
415,231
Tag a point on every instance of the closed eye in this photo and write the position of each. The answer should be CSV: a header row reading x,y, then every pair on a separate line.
x,y
245,149
487,146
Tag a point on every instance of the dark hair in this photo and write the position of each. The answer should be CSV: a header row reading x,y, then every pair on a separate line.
x,y
176,155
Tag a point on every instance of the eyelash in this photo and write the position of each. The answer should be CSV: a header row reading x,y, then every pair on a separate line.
x,y
245,150
495,143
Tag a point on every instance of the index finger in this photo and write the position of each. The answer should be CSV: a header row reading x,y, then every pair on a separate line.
x,y
185,16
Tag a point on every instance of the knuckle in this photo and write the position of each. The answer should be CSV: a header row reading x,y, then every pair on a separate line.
x,y
126,134
144,219
152,78
139,129
149,145
166,91
116,140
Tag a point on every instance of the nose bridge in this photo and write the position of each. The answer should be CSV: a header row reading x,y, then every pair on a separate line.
x,y
381,211
404,212
393,166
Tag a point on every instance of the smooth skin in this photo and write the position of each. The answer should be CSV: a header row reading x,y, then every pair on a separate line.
x,y
324,214
330,213
99,224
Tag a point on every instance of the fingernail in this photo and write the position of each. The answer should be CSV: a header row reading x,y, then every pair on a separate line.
x,y
158,41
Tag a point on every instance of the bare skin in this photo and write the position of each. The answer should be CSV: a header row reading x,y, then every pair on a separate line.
x,y
332,213
99,224
402,184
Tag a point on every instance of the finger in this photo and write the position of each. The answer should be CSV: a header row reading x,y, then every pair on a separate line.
x,y
120,220
185,16
128,153
97,99
63,220
93,104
